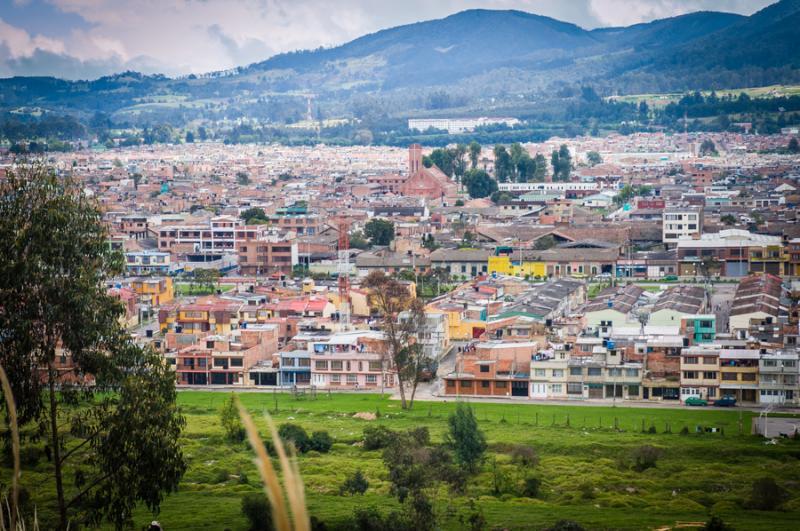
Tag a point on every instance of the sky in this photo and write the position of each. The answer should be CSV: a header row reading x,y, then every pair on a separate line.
x,y
86,39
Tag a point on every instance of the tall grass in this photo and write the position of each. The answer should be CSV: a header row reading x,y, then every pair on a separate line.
x,y
8,510
289,511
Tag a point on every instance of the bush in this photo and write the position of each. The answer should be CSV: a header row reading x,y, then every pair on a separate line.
x,y
256,509
355,484
296,435
716,524
321,442
566,525
767,495
531,487
231,423
421,435
377,437
29,456
524,455
645,457
222,476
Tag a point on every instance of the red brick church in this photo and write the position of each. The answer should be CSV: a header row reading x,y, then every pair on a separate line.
x,y
428,183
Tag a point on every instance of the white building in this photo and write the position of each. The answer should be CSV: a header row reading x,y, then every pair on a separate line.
x,y
681,222
458,125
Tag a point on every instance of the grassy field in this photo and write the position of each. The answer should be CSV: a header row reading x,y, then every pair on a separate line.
x,y
582,464
658,100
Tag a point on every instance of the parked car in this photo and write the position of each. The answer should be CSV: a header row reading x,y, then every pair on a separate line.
x,y
725,401
695,401
670,278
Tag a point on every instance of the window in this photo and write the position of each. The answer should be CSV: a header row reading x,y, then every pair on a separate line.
x,y
615,371
789,363
711,391
351,379
574,389
709,375
321,365
690,375
500,385
539,373
237,362
375,365
632,372
555,388
372,378
729,376
336,378
485,384
691,360
770,363
748,377
594,371
709,360
451,383
336,365
466,384
575,371
484,368
558,373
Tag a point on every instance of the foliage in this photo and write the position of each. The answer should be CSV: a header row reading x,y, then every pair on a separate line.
x,y
545,242
242,178
377,437
594,158
793,146
358,241
465,438
205,279
428,242
296,435
531,487
355,484
767,495
715,523
402,317
229,419
379,231
561,161
707,148
565,525
728,219
479,184
474,154
644,457
524,455
256,509
254,214
321,442
54,265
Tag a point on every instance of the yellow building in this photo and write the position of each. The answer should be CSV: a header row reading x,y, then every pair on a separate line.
x,y
460,327
154,291
503,265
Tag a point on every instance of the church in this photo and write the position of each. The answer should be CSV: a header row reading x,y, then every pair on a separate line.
x,y
427,183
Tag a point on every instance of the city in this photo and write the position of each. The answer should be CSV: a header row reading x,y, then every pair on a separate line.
x,y
464,314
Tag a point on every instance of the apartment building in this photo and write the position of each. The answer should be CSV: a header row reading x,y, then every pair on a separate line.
x,y
153,291
148,263
778,378
681,222
266,254
699,373
492,368
206,242
738,374
353,359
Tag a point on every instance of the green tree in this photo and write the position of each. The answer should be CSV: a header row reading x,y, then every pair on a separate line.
x,y
459,158
467,241
254,215
358,241
545,242
594,158
257,511
189,137
728,219
230,420
707,148
793,146
379,231
479,184
402,317
474,154
442,158
502,164
206,278
540,173
54,304
465,438
242,178
767,495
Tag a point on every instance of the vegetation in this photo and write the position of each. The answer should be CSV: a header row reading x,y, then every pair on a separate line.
x,y
254,215
467,441
479,184
561,161
111,440
379,231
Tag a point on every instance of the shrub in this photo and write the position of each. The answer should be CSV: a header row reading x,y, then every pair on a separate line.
x,y
222,476
257,511
296,435
715,523
355,484
767,495
645,457
321,442
421,435
531,487
524,455
243,479
29,456
684,431
377,437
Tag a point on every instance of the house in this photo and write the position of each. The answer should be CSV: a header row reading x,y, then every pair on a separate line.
x,y
676,302
759,297
738,376
699,367
461,262
148,263
153,291
353,359
492,368
612,307
678,222
779,377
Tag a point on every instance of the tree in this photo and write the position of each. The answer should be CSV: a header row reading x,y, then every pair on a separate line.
x,y
465,438
401,318
594,158
358,241
540,172
379,231
467,241
109,412
254,215
242,178
206,278
793,146
479,184
355,484
442,158
429,242
257,511
728,219
230,420
474,154
459,158
189,137
502,164
707,147
545,242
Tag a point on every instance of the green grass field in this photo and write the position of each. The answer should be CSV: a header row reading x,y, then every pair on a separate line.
x,y
580,453
185,288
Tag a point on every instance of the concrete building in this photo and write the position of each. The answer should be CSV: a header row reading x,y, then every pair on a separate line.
x,y
681,222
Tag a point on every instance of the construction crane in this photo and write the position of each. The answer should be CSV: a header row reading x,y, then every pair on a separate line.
x,y
343,270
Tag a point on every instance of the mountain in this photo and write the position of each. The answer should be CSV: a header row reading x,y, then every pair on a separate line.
x,y
474,56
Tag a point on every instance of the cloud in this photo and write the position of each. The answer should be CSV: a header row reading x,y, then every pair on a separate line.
x,y
194,36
